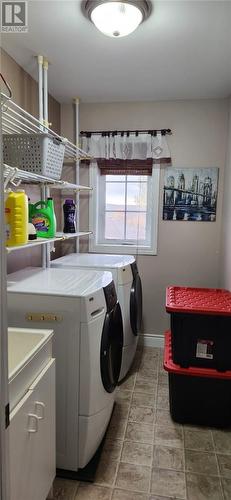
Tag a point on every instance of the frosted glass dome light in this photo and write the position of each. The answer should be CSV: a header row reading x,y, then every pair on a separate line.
x,y
117,18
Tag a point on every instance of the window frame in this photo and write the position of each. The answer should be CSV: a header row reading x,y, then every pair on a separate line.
x,y
95,207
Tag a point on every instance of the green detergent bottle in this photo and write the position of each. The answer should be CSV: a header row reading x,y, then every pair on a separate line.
x,y
42,216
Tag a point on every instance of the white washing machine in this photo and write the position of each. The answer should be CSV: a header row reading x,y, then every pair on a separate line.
x,y
129,290
81,307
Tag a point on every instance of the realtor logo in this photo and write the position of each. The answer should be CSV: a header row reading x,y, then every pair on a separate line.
x,y
14,17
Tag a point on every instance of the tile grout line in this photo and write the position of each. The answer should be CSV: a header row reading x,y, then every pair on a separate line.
x,y
218,466
123,439
154,423
182,428
77,489
112,486
111,493
184,452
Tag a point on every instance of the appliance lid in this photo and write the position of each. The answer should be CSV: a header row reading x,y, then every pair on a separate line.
x,y
94,260
52,281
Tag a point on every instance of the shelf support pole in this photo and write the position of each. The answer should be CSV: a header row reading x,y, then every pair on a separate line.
x,y
46,123
77,181
40,84
41,118
45,92
4,395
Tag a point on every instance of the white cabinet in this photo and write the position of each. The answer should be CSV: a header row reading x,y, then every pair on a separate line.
x,y
32,439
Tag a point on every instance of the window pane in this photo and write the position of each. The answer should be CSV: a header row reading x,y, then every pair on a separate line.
x,y
137,178
115,178
136,226
114,225
136,196
115,196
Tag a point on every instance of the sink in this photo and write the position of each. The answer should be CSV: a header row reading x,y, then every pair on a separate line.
x,y
29,350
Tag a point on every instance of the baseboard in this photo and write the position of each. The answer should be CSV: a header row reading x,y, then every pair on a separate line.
x,y
151,340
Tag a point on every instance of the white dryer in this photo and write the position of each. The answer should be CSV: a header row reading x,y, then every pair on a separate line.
x,y
129,291
82,308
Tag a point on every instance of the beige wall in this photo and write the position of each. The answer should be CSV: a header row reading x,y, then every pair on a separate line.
x,y
225,280
188,252
25,94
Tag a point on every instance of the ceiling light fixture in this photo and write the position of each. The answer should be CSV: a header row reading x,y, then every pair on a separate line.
x,y
117,18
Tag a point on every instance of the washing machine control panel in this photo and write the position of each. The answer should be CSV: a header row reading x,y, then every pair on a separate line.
x,y
110,296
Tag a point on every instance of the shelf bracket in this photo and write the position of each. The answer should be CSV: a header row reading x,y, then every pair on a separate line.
x,y
10,178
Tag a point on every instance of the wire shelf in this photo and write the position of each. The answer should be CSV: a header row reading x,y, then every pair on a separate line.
x,y
45,241
15,120
15,176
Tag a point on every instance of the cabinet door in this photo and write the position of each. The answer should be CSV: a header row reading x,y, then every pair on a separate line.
x,y
32,440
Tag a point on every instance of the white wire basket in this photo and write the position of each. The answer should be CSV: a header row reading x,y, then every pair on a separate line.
x,y
37,153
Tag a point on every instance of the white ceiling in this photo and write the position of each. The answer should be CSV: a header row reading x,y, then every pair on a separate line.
x,y
183,51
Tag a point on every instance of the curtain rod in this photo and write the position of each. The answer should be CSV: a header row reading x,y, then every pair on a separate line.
x,y
107,133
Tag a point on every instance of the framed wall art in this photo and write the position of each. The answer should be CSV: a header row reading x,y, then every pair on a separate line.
x,y
190,194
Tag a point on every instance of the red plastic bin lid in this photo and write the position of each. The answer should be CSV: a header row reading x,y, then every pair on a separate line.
x,y
198,300
193,371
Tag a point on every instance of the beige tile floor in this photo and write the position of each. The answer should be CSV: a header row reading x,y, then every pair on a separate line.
x,y
148,457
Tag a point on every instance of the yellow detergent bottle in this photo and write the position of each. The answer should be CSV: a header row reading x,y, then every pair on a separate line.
x,y
16,218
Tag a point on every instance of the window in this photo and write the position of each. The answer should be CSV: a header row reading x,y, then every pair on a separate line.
x,y
124,212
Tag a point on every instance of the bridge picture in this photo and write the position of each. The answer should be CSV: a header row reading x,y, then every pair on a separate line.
x,y
190,194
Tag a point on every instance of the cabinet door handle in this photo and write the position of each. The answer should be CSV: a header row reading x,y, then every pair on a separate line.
x,y
40,410
34,423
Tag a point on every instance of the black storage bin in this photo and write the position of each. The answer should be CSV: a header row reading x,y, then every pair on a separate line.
x,y
200,327
197,396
